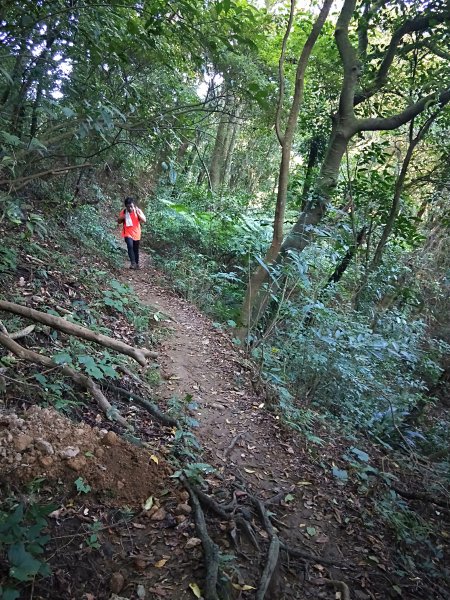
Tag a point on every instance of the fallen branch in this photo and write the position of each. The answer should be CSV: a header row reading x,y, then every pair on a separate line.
x,y
232,445
79,378
210,549
140,355
149,406
17,335
21,182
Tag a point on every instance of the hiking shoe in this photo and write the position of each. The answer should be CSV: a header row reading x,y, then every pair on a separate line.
x,y
137,267
133,266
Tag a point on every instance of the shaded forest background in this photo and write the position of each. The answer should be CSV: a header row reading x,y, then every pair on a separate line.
x,y
294,166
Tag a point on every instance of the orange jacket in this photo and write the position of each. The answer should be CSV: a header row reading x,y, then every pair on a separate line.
x,y
132,231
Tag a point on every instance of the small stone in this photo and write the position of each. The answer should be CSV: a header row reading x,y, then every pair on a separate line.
x,y
110,439
217,406
46,461
140,563
184,496
117,582
193,542
44,446
183,509
120,485
22,442
100,453
180,519
69,452
77,463
159,515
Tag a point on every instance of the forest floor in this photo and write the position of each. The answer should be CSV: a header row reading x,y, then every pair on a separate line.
x,y
132,532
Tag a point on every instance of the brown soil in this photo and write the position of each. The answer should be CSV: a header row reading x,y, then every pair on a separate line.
x,y
43,444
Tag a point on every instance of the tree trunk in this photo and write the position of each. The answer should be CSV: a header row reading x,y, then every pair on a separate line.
x,y
234,126
218,155
343,265
254,299
312,161
315,208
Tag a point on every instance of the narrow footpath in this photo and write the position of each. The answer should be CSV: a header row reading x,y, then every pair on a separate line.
x,y
248,445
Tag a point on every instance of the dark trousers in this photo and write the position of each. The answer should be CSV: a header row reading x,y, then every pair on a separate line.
x,y
133,250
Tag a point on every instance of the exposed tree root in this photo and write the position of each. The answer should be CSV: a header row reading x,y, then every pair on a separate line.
x,y
149,406
311,557
270,567
422,497
243,521
210,549
340,586
139,354
79,378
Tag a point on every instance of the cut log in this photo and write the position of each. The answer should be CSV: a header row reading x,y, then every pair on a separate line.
x,y
140,355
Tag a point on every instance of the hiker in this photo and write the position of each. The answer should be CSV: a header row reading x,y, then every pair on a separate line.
x,y
132,217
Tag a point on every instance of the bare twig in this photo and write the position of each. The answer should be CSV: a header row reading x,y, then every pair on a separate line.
x,y
234,441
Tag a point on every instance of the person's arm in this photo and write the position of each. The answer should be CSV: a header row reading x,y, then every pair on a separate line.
x,y
141,215
121,218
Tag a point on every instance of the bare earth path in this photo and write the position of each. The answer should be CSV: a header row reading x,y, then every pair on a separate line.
x,y
245,441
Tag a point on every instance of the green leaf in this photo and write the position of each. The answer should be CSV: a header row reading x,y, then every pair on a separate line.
x,y
9,594
363,456
90,366
68,112
42,379
24,566
82,486
62,359
11,140
340,474
311,531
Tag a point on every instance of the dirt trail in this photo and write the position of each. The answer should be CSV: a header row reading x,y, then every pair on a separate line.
x,y
200,360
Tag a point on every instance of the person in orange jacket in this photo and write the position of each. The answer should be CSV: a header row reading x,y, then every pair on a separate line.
x,y
131,217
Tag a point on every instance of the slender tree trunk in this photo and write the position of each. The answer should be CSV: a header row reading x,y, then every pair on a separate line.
x,y
35,109
234,127
348,257
312,161
218,155
395,207
253,298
